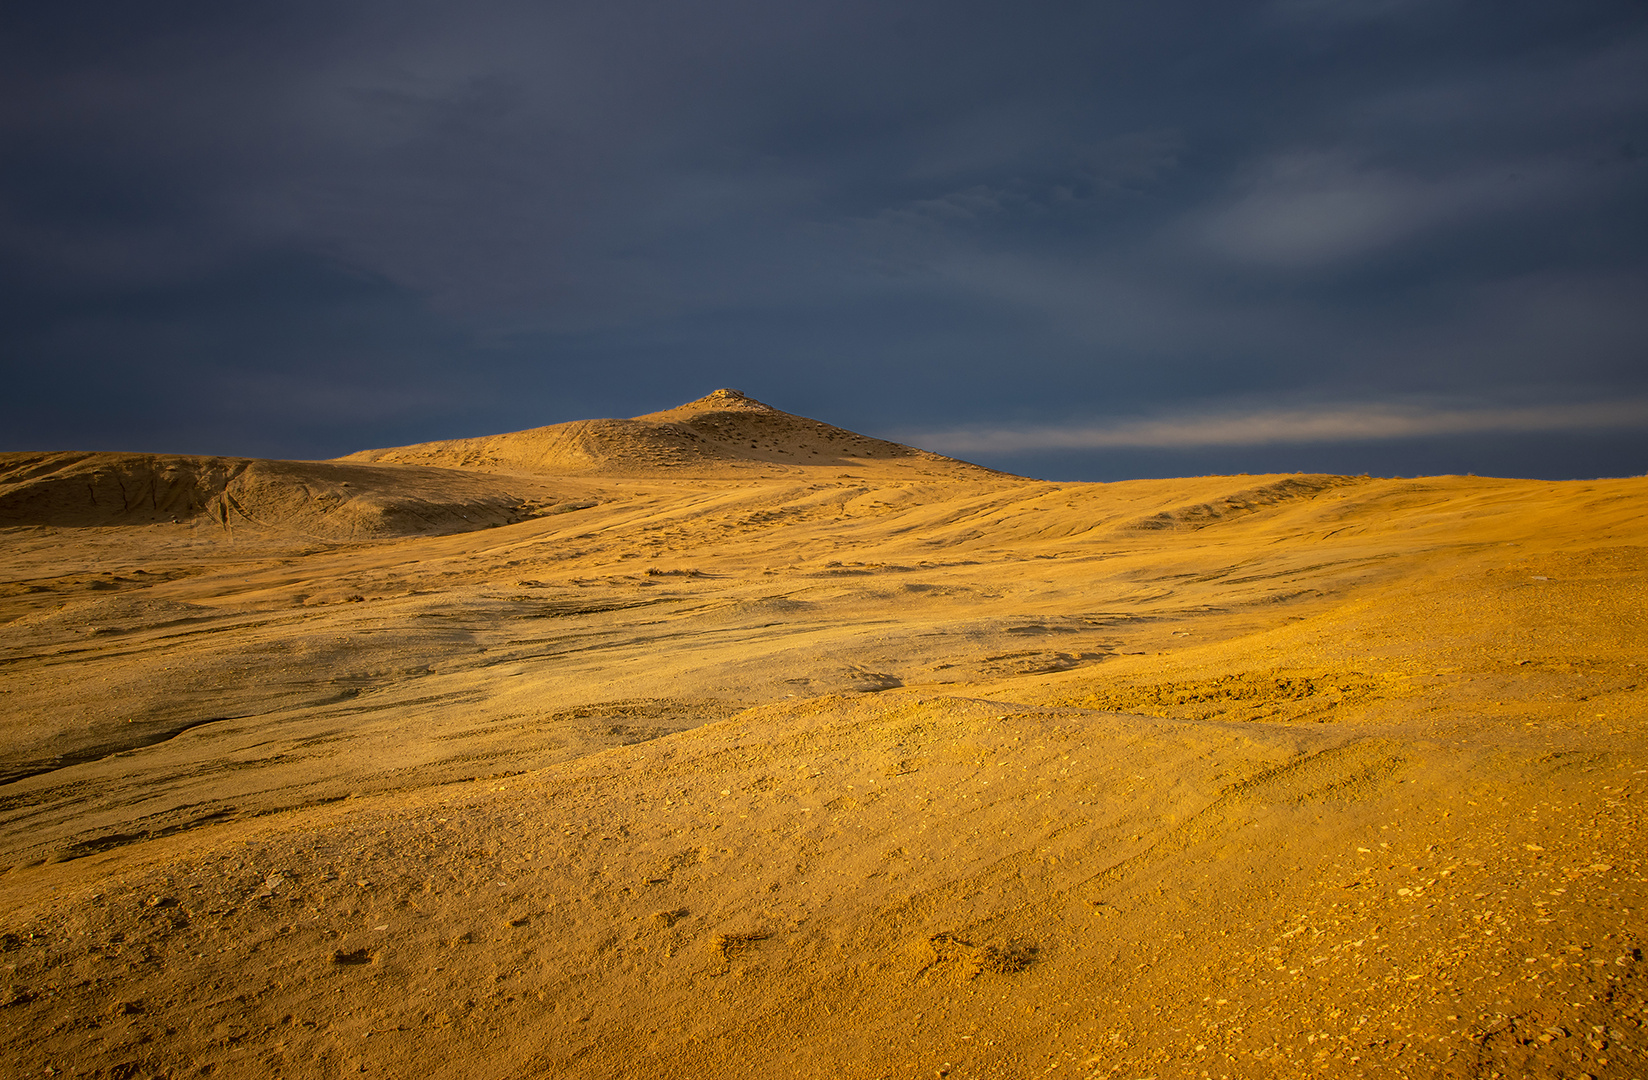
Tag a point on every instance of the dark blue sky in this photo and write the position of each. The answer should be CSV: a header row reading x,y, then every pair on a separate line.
x,y
1079,240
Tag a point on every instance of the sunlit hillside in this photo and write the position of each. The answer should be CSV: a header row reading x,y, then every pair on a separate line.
x,y
724,743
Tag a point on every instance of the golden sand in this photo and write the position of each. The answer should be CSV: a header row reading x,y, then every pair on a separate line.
x,y
724,743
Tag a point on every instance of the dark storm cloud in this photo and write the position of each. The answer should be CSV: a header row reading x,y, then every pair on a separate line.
x,y
307,228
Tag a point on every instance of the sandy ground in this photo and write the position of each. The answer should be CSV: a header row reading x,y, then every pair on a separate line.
x,y
608,760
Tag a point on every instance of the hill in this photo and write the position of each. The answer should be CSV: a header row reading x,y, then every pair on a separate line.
x,y
324,500
722,430
442,487
834,772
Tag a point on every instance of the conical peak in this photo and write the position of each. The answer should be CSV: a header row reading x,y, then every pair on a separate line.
x,y
727,398
723,429
723,400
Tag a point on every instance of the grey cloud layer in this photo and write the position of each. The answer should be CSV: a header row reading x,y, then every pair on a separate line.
x,y
1268,427
1026,217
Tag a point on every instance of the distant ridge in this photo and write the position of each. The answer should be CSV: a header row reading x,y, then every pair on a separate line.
x,y
722,430
325,500
451,486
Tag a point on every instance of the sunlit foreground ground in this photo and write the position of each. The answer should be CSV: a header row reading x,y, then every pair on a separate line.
x,y
831,764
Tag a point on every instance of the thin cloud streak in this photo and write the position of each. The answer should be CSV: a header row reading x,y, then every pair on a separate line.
x,y
1329,424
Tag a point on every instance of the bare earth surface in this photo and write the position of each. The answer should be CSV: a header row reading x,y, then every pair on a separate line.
x,y
723,743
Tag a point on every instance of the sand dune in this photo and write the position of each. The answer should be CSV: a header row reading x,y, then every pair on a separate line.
x,y
880,765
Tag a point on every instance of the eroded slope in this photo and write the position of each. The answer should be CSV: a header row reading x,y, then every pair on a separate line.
x,y
1256,776
323,500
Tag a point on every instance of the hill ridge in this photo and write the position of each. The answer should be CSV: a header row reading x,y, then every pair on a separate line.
x,y
725,429
447,486
331,500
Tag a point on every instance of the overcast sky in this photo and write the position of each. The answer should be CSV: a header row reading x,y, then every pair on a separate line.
x,y
1078,240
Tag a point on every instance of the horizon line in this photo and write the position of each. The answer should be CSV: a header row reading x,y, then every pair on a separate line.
x,y
1375,422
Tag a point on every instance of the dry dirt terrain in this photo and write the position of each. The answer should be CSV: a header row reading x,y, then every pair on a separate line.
x,y
724,743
